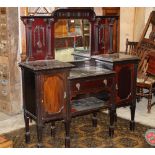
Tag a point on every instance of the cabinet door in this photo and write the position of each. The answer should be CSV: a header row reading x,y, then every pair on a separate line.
x,y
54,93
125,77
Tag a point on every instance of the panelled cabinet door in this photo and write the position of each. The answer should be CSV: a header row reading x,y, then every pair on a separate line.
x,y
54,88
125,77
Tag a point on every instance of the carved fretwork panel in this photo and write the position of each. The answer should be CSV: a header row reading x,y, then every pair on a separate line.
x,y
39,43
107,34
74,13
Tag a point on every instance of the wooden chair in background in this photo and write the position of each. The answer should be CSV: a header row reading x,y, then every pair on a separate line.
x,y
146,71
130,47
145,82
145,77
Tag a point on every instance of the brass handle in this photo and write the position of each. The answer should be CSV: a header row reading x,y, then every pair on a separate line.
x,y
78,86
105,82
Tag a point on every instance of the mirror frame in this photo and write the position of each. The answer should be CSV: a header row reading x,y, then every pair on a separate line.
x,y
74,13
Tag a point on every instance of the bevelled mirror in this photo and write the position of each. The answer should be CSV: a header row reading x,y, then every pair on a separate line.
x,y
72,37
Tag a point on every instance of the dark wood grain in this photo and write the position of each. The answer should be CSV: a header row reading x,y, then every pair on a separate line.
x,y
54,89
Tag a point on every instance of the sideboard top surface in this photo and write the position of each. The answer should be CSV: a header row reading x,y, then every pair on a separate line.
x,y
41,65
115,57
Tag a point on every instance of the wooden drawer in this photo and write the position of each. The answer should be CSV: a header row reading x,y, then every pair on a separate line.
x,y
86,87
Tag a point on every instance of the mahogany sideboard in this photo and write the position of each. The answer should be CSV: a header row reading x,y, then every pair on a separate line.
x,y
54,90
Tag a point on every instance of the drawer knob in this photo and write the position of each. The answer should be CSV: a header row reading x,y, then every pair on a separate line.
x,y
105,82
78,86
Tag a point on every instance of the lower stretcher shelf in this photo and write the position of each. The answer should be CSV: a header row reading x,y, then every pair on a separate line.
x,y
88,104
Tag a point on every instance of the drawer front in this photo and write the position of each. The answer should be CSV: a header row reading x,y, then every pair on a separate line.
x,y
86,87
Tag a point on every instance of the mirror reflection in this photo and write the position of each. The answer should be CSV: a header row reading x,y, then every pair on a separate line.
x,y
72,37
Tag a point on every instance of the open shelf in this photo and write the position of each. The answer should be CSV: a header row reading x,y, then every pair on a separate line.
x,y
88,105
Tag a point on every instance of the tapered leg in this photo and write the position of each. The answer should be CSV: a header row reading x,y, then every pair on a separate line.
x,y
53,129
112,118
39,135
141,92
138,97
132,122
67,136
94,120
27,129
115,116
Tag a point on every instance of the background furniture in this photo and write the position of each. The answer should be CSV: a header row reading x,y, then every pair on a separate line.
x,y
131,47
146,45
144,82
111,11
146,78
